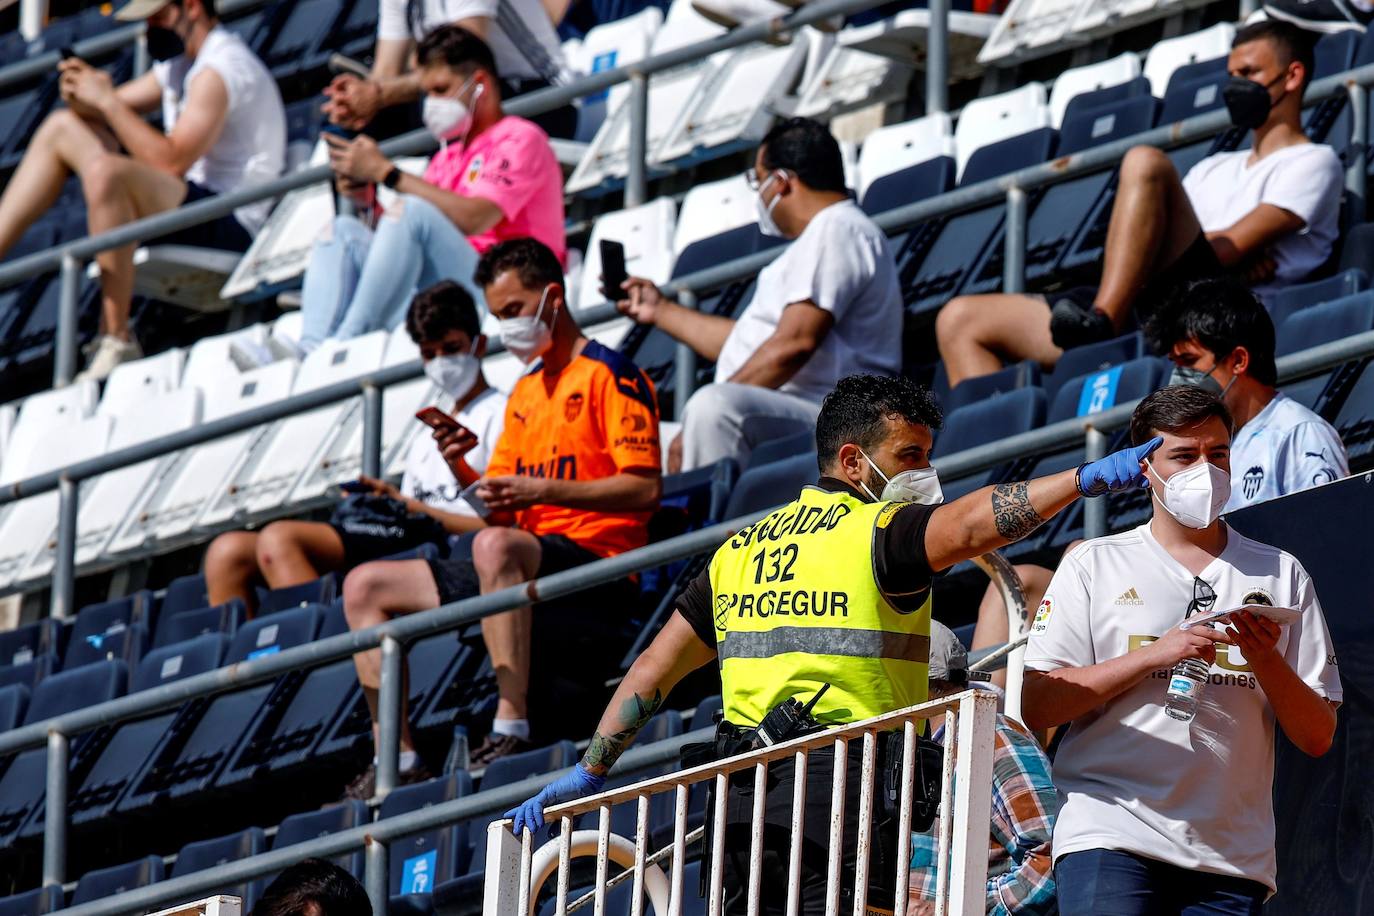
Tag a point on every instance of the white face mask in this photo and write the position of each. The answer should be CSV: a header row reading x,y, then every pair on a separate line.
x,y
525,335
448,118
765,210
1195,495
454,373
918,485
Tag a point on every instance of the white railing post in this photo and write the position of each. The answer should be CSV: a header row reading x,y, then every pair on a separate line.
x,y
501,887
968,864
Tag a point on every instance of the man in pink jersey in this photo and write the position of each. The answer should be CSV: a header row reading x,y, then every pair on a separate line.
x,y
494,178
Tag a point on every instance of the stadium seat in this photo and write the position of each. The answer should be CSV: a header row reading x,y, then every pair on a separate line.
x,y
1094,392
1355,421
420,862
202,739
908,185
102,773
839,78
1172,53
23,784
777,449
1089,127
1075,82
982,387
21,644
771,485
1030,26
1006,414
625,816
647,234
1092,358
296,40
1190,95
1291,299
318,591
199,474
605,47
14,702
33,903
185,593
207,854
96,624
310,825
991,119
106,882
30,672
354,36
179,626
1109,95
892,149
1324,323
141,380
709,210
40,415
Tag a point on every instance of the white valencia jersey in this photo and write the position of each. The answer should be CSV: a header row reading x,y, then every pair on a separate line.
x,y
1193,794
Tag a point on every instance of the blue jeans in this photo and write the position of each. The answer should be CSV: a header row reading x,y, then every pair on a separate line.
x,y
359,280
1107,882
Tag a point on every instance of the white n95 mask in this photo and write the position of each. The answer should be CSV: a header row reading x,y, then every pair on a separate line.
x,y
446,117
765,210
454,373
918,485
526,336
1196,495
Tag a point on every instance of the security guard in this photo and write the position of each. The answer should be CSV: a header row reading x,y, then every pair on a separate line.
x,y
831,589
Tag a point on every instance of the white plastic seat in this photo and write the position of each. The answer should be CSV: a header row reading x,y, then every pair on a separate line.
x,y
898,146
996,117
8,413
260,486
1032,25
29,521
647,234
711,208
208,360
342,458
134,382
903,37
105,501
184,275
197,475
1171,53
38,416
605,47
1120,69
845,78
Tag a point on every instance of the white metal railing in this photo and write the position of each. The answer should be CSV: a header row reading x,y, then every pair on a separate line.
x,y
964,814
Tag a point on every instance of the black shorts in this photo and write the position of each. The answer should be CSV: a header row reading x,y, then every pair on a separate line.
x,y
224,232
364,548
457,578
1198,262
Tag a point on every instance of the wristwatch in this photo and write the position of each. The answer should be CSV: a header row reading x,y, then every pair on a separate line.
x,y
392,178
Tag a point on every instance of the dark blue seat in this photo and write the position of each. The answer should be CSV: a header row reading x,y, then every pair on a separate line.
x,y
1092,358
205,733
982,387
297,38
702,492
106,882
102,772
778,449
321,591
771,485
354,36
618,899
311,825
930,279
179,626
1324,323
420,862
1107,95
1089,127
126,643
1355,420
1001,415
185,593
100,630
1332,54
32,903
29,673
625,816
704,716
206,854
14,702
1299,296
1187,97
21,108
253,27
21,644
24,779
909,185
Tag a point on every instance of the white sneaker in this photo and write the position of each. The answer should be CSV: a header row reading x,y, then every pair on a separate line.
x,y
285,347
247,354
106,353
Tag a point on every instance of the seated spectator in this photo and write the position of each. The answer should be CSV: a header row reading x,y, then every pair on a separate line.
x,y
494,178
1167,782
522,35
573,479
443,322
1268,214
1221,339
1024,806
225,129
314,887
829,306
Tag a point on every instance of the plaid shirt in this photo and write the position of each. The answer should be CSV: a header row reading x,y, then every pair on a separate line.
x,y
1024,806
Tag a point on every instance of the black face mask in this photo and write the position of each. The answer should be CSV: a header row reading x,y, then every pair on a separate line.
x,y
1248,101
164,44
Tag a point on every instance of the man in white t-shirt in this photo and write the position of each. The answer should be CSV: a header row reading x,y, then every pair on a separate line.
x,y
828,307
1221,339
443,322
1268,213
523,38
225,129
1163,815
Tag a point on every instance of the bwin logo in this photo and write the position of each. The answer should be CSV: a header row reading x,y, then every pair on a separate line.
x,y
1252,481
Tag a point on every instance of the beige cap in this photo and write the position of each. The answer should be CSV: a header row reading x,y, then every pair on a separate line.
x,y
139,10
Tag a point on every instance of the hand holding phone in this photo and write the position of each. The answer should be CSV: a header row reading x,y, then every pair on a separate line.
x,y
355,486
436,419
613,275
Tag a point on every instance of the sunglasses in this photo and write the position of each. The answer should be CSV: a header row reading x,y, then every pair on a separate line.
x,y
1203,598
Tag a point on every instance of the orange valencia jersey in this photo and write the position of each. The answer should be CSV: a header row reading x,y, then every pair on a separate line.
x,y
601,418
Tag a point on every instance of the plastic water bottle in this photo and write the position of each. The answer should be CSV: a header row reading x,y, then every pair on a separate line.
x,y
1186,683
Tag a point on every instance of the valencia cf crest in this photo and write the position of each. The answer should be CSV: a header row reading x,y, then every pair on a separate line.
x,y
572,407
474,169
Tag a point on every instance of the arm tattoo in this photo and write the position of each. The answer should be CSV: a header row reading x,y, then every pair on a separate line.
x,y
605,750
1012,511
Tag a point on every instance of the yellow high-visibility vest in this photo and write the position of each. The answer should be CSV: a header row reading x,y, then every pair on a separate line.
x,y
796,605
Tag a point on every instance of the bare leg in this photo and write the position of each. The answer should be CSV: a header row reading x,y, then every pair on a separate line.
x,y
64,143
293,553
119,190
993,628
505,557
373,594
978,334
231,568
1152,225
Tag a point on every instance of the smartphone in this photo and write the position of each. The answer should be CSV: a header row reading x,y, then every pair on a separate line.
x,y
435,418
613,273
354,486
479,505
329,127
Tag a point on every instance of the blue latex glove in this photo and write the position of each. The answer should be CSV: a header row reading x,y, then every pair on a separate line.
x,y
530,814
1118,471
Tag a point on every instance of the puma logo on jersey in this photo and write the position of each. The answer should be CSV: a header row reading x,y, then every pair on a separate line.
x,y
1131,597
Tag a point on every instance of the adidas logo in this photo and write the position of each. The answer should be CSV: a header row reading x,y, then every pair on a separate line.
x,y
1131,597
